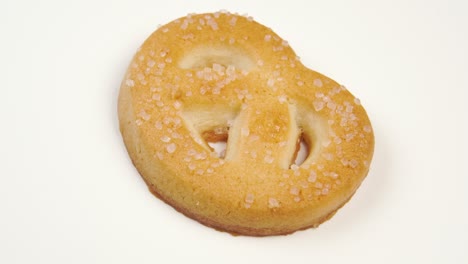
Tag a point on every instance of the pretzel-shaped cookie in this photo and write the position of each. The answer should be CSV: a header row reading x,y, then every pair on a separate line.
x,y
212,77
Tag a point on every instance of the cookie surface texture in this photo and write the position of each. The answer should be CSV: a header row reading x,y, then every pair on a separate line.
x,y
223,77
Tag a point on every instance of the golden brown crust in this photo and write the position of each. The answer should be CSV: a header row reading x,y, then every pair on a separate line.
x,y
238,230
202,76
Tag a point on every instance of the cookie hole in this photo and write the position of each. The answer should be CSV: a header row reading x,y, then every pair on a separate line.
x,y
217,140
302,150
219,148
209,127
202,57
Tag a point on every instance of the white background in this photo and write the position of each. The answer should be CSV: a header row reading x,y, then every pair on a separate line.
x,y
69,194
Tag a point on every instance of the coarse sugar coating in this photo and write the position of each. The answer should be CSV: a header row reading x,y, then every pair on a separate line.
x,y
224,77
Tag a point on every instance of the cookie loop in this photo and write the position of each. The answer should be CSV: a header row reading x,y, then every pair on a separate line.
x,y
223,77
